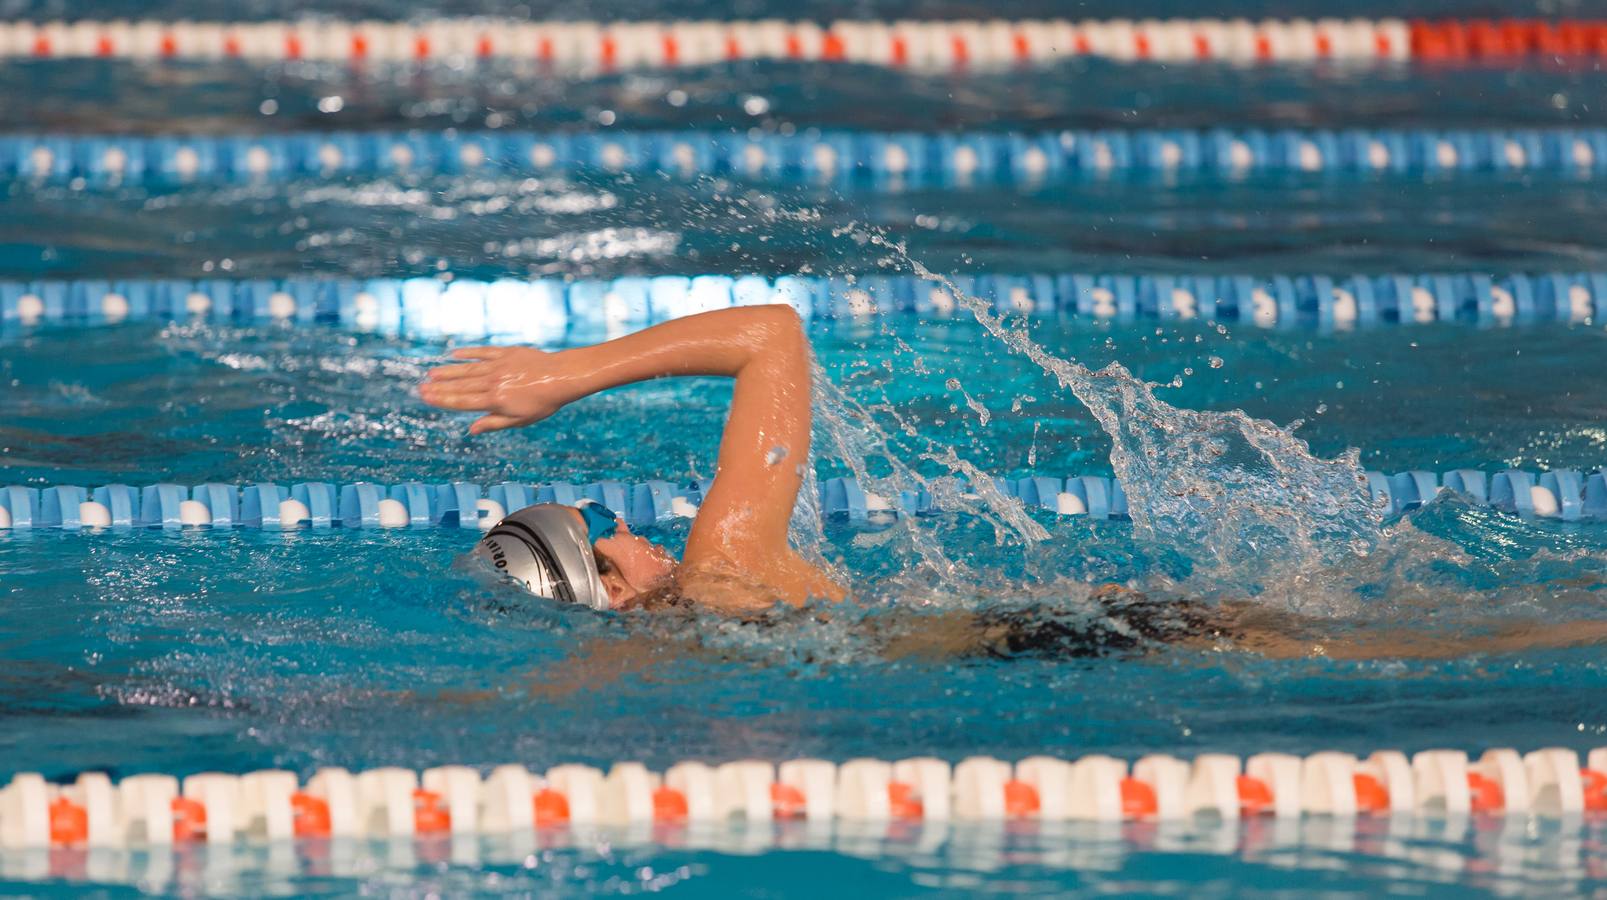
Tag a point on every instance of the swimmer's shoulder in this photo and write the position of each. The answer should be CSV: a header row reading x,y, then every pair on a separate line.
x,y
721,585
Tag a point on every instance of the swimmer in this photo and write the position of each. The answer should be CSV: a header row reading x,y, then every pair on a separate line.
x,y
738,559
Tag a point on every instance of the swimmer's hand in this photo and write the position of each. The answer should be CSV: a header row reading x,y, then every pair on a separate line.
x,y
513,386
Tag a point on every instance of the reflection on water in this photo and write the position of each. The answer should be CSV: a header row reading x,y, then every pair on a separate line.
x,y
1363,856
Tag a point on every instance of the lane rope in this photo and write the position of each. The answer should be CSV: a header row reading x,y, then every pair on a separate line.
x,y
545,310
952,159
161,811
600,47
1562,494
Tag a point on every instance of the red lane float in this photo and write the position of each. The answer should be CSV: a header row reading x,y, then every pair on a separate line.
x,y
952,44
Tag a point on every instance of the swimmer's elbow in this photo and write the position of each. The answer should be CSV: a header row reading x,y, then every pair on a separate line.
x,y
778,322
779,334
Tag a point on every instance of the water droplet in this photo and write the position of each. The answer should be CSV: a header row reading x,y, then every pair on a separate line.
x,y
1216,362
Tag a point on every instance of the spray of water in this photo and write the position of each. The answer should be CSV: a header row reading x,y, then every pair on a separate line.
x,y
1244,500
851,433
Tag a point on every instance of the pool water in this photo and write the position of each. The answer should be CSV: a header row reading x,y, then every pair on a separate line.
x,y
188,651
191,651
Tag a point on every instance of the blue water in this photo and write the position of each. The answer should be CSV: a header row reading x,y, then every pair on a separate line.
x,y
139,651
594,225
184,652
129,97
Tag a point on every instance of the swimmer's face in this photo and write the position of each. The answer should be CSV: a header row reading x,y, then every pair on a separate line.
x,y
631,565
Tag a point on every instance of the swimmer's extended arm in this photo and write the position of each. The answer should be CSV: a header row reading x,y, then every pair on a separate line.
x,y
763,452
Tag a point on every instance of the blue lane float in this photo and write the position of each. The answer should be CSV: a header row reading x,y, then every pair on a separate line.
x,y
953,159
1561,494
547,309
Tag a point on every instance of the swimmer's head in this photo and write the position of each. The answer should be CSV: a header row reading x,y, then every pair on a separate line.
x,y
583,555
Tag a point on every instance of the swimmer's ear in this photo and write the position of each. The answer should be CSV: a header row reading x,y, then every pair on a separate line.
x,y
619,590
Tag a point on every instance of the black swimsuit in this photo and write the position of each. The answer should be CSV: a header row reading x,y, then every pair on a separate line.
x,y
1130,622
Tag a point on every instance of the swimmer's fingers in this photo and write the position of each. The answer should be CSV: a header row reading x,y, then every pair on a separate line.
x,y
451,395
497,422
486,353
461,370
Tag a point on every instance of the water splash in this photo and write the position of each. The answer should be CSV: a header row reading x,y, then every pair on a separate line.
x,y
1243,499
851,434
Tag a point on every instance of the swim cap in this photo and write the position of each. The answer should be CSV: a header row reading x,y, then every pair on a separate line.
x,y
546,549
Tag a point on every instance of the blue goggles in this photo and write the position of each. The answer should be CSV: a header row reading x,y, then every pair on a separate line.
x,y
600,521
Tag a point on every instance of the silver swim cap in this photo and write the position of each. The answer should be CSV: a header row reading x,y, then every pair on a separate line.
x,y
545,549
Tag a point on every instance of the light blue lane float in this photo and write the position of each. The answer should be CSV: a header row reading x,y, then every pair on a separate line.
x,y
872,158
1562,494
547,309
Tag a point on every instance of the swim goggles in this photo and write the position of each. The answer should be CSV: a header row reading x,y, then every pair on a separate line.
x,y
601,522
